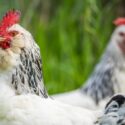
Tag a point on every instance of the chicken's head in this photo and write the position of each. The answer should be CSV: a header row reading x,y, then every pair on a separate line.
x,y
119,34
13,38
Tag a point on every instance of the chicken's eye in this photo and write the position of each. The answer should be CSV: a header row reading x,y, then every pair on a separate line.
x,y
13,33
121,34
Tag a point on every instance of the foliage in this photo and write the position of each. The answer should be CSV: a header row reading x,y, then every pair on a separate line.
x,y
72,35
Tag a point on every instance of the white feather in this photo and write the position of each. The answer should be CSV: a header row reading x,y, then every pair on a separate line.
x,y
34,110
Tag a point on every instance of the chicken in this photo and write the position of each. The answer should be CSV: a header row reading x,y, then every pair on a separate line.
x,y
114,113
107,77
23,97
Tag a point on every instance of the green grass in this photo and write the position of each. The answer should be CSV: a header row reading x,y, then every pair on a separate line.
x,y
72,35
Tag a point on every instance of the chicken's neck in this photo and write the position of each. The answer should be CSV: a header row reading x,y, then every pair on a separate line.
x,y
27,76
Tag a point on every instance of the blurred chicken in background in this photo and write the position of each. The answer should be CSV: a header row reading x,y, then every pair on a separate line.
x,y
108,76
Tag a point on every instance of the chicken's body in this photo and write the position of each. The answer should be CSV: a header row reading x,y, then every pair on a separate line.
x,y
107,78
34,110
23,97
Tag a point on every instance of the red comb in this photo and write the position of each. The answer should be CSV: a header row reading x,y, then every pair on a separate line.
x,y
12,17
119,21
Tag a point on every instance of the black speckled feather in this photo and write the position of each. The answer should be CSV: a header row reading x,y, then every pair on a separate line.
x,y
28,75
102,82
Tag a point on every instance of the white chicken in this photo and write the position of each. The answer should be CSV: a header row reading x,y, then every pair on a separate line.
x,y
23,97
107,78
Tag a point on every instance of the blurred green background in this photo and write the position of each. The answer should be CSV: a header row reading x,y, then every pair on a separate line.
x,y
72,35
